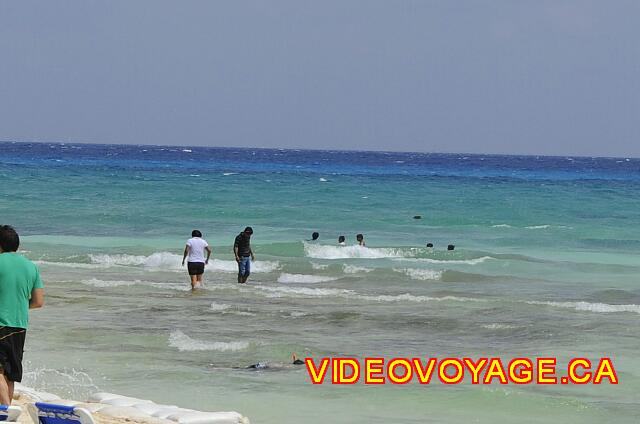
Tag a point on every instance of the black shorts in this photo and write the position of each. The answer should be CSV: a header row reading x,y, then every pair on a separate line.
x,y
195,268
11,349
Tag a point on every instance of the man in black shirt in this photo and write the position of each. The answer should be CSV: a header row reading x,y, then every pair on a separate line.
x,y
244,254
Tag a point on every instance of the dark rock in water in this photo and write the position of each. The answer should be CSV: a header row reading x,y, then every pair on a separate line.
x,y
417,217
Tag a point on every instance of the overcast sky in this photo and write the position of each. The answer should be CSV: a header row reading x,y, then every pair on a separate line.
x,y
534,77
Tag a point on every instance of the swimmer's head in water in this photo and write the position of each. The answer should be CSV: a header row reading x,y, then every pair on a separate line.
x,y
359,237
341,239
196,233
315,235
429,244
451,247
258,366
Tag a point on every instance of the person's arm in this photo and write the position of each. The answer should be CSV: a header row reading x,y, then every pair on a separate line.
x,y
235,252
186,252
253,258
208,249
37,299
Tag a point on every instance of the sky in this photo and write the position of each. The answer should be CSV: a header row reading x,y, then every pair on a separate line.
x,y
557,77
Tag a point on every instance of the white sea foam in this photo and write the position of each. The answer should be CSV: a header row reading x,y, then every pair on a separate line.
x,y
185,343
319,266
242,313
71,265
67,382
407,297
474,261
186,150
591,307
172,262
319,251
219,307
226,174
501,226
119,283
304,292
324,180
157,260
172,286
295,314
304,279
232,266
352,269
497,326
420,273
283,291
101,283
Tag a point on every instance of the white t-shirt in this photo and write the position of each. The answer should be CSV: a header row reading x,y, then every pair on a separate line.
x,y
196,249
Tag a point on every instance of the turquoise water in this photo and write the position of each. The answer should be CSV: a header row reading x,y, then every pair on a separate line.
x,y
546,264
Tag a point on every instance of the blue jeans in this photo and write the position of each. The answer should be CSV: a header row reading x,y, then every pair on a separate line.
x,y
244,266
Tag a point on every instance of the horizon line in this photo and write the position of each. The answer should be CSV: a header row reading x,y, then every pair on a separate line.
x,y
322,150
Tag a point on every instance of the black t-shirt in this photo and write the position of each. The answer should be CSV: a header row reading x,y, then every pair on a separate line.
x,y
243,243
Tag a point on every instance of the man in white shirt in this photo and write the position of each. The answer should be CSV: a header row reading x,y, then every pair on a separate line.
x,y
194,254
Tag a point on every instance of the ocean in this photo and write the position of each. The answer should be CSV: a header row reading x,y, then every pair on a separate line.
x,y
546,263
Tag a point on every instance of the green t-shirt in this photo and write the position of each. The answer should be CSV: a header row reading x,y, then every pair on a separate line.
x,y
18,277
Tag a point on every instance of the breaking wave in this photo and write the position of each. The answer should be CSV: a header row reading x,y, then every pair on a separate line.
x,y
420,274
184,343
474,261
101,283
283,291
352,269
121,283
407,297
219,307
232,266
319,251
497,326
604,308
305,292
172,262
303,279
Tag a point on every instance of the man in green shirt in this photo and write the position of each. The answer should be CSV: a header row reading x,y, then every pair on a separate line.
x,y
21,289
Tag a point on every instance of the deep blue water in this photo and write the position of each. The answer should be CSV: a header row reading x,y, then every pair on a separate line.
x,y
177,159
